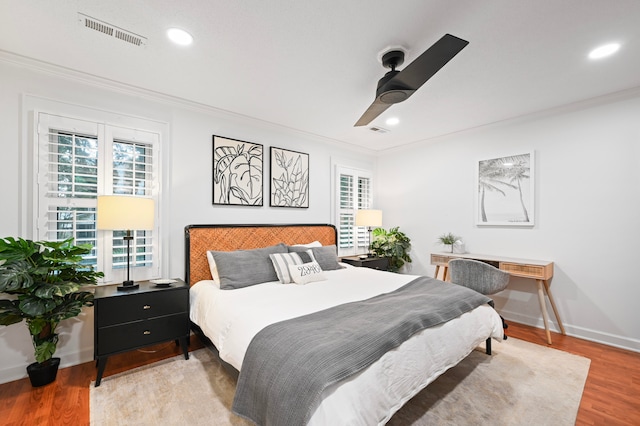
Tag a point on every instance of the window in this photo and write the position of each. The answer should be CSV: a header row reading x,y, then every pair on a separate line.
x,y
78,160
354,191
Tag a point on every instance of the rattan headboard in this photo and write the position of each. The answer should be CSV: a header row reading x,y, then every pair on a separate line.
x,y
200,238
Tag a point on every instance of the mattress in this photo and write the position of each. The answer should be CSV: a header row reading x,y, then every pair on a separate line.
x,y
230,319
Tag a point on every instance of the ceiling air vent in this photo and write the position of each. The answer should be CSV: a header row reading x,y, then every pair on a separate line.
x,y
378,130
111,30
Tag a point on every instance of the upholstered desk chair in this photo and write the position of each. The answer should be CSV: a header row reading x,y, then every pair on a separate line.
x,y
479,276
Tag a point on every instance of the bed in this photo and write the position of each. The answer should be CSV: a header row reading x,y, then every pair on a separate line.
x,y
233,320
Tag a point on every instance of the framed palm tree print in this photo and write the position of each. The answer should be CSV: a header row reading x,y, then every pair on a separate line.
x,y
289,178
505,191
237,172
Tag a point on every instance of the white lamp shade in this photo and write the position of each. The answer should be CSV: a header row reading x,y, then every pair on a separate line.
x,y
121,212
369,218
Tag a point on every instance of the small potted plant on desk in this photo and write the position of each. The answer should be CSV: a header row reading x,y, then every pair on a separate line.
x,y
46,279
448,241
393,244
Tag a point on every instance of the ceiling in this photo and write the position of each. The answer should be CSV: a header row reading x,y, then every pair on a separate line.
x,y
313,66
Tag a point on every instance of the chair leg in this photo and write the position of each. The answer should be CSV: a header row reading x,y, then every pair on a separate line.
x,y
488,346
504,327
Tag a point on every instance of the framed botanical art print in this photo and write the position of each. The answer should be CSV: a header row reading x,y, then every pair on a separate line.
x,y
505,191
237,172
289,178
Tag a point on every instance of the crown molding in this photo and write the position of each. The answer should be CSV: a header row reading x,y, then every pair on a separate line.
x,y
163,98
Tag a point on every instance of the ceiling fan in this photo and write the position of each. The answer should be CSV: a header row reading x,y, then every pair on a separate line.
x,y
397,86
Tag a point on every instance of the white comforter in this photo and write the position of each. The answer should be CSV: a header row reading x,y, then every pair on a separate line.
x,y
230,318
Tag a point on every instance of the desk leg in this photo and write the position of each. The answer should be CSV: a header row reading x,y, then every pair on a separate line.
x,y
445,272
543,308
553,305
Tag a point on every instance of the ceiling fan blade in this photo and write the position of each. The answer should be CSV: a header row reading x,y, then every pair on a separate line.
x,y
372,112
397,86
430,62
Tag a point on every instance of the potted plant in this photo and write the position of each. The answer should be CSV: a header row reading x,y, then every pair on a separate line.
x,y
46,280
392,244
448,240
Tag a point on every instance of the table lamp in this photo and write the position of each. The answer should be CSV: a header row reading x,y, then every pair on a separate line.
x,y
125,213
371,219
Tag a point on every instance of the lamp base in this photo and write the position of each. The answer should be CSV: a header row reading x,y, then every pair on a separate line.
x,y
128,285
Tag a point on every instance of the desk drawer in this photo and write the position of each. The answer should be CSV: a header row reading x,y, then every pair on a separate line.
x,y
528,271
137,334
440,259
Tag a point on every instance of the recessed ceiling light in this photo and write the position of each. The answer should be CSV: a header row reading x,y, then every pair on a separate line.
x,y
179,36
604,50
392,121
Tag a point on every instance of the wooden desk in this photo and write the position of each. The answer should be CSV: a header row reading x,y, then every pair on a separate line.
x,y
539,270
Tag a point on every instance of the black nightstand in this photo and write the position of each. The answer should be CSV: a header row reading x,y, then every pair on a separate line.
x,y
380,263
124,321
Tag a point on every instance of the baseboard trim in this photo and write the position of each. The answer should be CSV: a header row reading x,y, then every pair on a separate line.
x,y
17,372
608,339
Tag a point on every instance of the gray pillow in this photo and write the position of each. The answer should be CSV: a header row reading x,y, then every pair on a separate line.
x,y
243,268
326,256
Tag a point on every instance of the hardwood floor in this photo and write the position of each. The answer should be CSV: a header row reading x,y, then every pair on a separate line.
x,y
612,392
611,395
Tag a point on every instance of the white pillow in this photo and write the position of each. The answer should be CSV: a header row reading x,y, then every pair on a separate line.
x,y
306,273
213,268
309,245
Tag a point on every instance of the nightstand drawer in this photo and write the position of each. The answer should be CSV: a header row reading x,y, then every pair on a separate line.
x,y
119,310
379,263
141,333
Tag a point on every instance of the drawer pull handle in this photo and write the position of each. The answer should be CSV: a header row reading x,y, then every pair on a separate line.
x,y
146,307
146,332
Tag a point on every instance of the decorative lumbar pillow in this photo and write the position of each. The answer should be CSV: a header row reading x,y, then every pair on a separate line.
x,y
242,268
281,262
326,256
306,273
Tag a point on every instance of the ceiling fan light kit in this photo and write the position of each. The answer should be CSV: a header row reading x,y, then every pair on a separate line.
x,y
397,86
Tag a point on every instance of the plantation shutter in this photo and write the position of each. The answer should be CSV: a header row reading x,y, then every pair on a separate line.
x,y
346,217
354,192
132,174
364,202
67,181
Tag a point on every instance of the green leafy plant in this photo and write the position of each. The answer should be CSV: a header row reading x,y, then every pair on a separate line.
x,y
47,280
392,244
448,239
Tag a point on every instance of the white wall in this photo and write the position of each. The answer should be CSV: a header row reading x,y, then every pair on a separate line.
x,y
587,190
187,159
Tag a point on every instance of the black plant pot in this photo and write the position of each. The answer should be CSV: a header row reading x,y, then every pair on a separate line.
x,y
43,374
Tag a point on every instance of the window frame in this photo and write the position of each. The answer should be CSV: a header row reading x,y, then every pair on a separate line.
x,y
107,130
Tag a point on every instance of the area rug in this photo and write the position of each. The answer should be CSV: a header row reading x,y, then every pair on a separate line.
x,y
520,384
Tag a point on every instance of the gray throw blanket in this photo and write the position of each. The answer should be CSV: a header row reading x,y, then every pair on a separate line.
x,y
288,364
